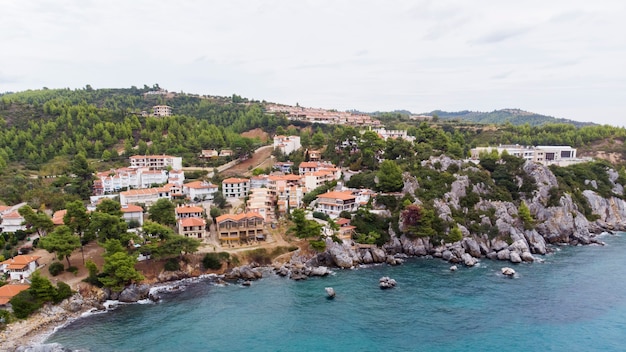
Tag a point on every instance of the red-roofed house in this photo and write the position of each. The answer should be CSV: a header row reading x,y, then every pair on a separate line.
x,y
9,291
20,267
345,229
240,228
146,196
200,190
192,227
189,211
132,212
57,217
12,222
235,187
334,202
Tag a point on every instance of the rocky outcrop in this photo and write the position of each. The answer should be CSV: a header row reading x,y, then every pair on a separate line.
x,y
244,272
134,293
611,212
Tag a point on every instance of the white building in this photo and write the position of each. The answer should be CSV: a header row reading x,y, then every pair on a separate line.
x,y
156,161
192,227
235,187
161,110
20,267
200,190
287,144
334,202
547,155
12,222
146,196
132,212
189,211
393,134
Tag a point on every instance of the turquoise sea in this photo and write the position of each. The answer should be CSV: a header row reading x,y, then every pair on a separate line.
x,y
573,300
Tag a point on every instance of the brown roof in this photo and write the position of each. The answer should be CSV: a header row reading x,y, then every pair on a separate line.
x,y
132,208
238,217
9,291
19,261
57,217
235,180
192,222
199,185
346,195
12,215
189,209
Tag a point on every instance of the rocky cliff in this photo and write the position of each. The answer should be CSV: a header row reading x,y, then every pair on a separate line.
x,y
509,239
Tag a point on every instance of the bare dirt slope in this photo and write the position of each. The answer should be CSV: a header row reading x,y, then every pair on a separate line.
x,y
260,159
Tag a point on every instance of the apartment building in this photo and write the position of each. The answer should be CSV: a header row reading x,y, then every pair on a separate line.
x,y
235,187
200,190
241,228
161,110
334,202
547,155
287,144
192,227
146,196
156,162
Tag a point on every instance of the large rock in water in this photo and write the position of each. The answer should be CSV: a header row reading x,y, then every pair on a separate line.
x,y
536,243
134,293
468,260
515,257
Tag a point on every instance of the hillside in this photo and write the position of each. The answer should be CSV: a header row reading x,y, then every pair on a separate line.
x,y
513,116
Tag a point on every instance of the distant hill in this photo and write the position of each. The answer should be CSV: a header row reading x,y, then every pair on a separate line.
x,y
514,116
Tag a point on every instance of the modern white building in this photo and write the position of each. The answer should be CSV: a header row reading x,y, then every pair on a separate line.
x,y
235,187
334,202
287,144
156,161
544,154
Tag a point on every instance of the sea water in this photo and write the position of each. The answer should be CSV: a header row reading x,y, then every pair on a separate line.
x,y
573,299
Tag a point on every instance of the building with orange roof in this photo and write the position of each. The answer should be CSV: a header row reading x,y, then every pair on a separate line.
x,y
240,228
12,222
189,211
146,196
9,291
20,267
192,227
346,230
200,190
334,202
57,217
234,187
132,213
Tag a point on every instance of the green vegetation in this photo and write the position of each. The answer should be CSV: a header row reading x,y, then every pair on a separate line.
x,y
214,261
56,268
41,291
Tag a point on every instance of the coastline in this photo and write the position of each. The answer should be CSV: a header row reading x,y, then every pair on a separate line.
x,y
33,331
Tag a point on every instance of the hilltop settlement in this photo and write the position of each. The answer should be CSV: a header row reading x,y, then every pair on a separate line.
x,y
107,193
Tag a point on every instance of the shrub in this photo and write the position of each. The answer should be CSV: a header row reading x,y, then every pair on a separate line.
x,y
211,261
23,304
321,216
319,246
56,268
72,269
172,265
93,274
63,291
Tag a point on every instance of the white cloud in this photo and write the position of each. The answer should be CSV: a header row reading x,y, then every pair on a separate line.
x,y
562,58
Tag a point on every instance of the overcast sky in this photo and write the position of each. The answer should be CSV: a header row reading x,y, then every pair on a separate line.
x,y
563,58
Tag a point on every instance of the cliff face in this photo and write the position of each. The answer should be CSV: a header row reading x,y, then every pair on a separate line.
x,y
509,240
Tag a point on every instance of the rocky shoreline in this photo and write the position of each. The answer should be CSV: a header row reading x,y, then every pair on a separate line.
x,y
555,225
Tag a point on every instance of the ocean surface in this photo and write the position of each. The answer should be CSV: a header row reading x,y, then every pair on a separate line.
x,y
572,300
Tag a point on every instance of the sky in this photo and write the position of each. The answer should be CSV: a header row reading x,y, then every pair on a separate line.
x,y
562,58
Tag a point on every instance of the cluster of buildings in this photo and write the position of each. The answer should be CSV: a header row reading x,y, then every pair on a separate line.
x,y
546,155
315,115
